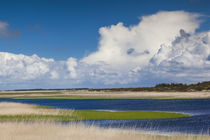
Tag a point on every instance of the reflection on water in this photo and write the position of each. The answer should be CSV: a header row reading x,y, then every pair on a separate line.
x,y
199,122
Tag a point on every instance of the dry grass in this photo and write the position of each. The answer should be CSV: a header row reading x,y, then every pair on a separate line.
x,y
10,108
52,131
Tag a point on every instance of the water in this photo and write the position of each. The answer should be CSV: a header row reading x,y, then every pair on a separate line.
x,y
199,109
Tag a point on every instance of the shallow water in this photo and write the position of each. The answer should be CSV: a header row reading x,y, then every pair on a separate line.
x,y
199,122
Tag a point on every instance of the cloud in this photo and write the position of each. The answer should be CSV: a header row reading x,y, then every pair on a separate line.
x,y
187,57
163,47
21,67
18,71
71,64
6,32
121,46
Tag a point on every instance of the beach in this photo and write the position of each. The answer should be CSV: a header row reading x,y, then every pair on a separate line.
x,y
76,94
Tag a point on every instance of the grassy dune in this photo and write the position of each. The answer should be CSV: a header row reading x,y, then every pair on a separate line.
x,y
52,131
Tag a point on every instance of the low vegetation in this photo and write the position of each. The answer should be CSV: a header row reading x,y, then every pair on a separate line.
x,y
65,115
43,113
56,131
163,87
92,115
14,124
172,87
124,115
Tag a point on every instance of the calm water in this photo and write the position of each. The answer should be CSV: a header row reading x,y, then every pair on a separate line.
x,y
199,122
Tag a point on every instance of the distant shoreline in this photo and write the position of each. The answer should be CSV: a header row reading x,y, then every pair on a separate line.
x,y
160,91
164,87
86,94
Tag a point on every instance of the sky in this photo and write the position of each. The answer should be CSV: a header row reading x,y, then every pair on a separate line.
x,y
103,44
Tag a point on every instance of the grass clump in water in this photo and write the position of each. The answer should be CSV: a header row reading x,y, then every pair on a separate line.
x,y
70,115
125,115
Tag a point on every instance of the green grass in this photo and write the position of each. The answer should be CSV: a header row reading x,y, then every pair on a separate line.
x,y
36,118
66,115
125,115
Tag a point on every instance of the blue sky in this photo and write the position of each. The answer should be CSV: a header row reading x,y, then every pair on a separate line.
x,y
64,29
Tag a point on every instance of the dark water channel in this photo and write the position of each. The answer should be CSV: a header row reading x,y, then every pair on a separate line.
x,y
199,109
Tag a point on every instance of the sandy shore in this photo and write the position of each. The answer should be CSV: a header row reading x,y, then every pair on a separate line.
x,y
105,94
10,108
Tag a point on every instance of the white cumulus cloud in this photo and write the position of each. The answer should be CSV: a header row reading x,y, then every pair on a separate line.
x,y
187,58
126,47
163,47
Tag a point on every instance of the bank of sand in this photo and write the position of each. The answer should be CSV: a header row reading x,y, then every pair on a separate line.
x,y
103,94
57,131
10,108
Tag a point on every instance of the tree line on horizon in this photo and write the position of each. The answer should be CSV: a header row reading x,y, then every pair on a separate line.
x,y
201,86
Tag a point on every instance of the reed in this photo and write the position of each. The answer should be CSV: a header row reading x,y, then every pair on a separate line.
x,y
56,131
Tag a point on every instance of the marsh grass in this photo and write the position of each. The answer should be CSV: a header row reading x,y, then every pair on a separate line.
x,y
64,115
26,112
57,131
34,117
41,125
124,115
